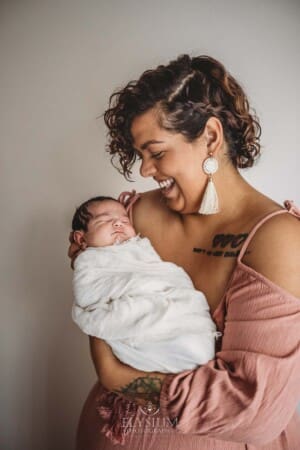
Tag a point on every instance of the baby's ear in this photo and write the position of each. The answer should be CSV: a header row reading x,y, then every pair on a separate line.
x,y
79,238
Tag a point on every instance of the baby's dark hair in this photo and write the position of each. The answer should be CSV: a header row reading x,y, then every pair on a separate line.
x,y
186,93
82,215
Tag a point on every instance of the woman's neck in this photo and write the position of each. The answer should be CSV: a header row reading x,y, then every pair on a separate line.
x,y
238,200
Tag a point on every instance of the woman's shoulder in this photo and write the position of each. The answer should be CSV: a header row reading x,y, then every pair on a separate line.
x,y
150,210
274,250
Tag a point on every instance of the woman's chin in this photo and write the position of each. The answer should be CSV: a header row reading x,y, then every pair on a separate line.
x,y
175,200
171,195
175,204
180,206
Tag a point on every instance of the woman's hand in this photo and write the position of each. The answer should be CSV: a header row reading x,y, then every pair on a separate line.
x,y
135,385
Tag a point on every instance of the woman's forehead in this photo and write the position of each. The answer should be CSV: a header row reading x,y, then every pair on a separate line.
x,y
145,127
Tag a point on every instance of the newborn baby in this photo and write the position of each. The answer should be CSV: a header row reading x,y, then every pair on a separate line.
x,y
146,309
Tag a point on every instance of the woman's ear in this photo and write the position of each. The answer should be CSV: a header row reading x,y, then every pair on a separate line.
x,y
79,238
213,134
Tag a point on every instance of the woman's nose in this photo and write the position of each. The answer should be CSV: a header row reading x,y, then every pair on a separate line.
x,y
147,168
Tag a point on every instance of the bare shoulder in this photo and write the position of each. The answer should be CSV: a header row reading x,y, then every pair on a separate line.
x,y
274,251
149,212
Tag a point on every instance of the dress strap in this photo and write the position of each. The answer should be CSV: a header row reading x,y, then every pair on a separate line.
x,y
290,208
128,199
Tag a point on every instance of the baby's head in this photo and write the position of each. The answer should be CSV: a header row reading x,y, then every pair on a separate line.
x,y
101,221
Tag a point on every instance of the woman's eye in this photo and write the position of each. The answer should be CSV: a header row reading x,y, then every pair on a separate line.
x,y
157,155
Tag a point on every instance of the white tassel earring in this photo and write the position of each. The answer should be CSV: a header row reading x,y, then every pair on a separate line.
x,y
210,201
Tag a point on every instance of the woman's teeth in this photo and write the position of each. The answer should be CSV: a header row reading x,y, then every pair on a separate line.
x,y
165,184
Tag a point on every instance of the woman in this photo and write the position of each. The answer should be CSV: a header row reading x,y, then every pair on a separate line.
x,y
190,125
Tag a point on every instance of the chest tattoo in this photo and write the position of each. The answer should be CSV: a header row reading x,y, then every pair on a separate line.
x,y
224,245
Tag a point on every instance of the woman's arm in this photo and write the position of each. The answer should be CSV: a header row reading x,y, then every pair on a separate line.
x,y
135,385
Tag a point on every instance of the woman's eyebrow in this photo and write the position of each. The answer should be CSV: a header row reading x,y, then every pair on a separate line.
x,y
151,141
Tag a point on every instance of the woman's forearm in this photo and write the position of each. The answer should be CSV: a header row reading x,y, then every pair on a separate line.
x,y
133,384
141,387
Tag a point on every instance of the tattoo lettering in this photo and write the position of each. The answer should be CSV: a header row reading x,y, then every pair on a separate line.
x,y
216,253
143,388
222,241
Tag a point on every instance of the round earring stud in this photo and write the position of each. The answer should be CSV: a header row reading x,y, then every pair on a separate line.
x,y
210,165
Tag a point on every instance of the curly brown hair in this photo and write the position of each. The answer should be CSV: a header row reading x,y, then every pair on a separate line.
x,y
186,93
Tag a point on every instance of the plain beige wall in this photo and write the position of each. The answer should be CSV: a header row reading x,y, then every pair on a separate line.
x,y
60,61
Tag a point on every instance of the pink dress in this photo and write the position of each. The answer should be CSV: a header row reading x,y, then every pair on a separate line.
x,y
246,398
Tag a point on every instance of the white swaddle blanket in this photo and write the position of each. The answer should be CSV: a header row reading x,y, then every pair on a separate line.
x,y
146,309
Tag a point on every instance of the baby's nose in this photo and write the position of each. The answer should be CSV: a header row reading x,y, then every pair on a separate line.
x,y
117,223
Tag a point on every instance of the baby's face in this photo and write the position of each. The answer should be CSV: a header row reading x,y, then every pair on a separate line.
x,y
109,225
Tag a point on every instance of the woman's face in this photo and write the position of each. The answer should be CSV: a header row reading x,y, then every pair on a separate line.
x,y
174,163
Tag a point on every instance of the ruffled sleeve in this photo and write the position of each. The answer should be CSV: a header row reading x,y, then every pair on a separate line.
x,y
115,412
250,391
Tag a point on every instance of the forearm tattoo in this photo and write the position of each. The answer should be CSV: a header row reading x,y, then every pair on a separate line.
x,y
143,388
220,242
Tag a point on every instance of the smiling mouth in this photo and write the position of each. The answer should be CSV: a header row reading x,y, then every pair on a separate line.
x,y
166,185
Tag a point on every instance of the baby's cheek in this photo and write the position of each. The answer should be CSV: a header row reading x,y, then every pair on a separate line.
x,y
132,231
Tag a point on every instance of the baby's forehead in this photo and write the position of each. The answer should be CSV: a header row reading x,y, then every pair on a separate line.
x,y
107,207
